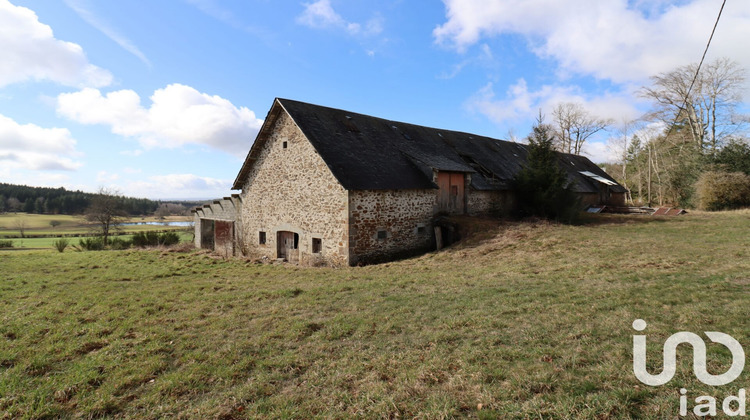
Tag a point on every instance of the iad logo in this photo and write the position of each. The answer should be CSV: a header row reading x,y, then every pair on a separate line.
x,y
699,357
706,405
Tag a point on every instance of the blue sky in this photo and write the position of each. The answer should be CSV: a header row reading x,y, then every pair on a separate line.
x,y
164,99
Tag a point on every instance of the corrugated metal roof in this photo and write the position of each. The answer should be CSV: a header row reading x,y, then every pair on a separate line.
x,y
598,178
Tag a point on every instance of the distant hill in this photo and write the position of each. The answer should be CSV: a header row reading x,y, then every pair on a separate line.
x,y
44,200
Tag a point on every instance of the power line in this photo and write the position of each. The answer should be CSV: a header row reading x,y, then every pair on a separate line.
x,y
697,71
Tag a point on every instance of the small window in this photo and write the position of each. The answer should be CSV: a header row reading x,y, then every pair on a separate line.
x,y
262,238
317,245
420,229
382,234
284,145
296,241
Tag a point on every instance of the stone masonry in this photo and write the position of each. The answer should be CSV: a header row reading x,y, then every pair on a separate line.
x,y
291,189
384,225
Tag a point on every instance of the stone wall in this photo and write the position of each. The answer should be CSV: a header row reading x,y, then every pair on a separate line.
x,y
494,203
290,188
384,225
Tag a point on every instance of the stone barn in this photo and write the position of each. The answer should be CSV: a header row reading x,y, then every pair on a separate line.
x,y
323,185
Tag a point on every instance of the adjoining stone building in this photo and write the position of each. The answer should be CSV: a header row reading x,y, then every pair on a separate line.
x,y
215,225
323,185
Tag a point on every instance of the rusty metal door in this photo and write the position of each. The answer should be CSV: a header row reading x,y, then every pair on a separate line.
x,y
451,192
224,237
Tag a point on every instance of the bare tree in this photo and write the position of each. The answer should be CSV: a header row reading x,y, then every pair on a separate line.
x,y
106,210
21,225
14,205
709,114
574,125
625,143
162,211
170,209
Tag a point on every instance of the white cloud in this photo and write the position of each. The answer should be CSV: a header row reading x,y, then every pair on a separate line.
x,y
30,51
84,12
178,115
320,15
104,177
38,178
520,103
176,186
615,40
28,146
600,152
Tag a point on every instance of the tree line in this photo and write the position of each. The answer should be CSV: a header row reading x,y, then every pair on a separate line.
x,y
43,200
691,144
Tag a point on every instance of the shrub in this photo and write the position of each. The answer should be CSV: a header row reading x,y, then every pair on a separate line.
x,y
723,190
169,238
144,239
120,244
92,244
6,244
60,244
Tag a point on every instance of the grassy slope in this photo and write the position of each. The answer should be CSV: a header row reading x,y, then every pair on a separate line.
x,y
527,320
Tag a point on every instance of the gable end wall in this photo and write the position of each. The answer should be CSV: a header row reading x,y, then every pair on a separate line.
x,y
292,189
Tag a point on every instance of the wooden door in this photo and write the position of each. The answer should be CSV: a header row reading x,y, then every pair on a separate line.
x,y
287,246
451,192
283,244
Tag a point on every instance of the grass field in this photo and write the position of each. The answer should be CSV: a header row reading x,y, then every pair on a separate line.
x,y
525,320
39,224
48,242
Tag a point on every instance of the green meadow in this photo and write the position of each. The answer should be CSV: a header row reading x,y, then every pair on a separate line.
x,y
39,232
48,242
519,320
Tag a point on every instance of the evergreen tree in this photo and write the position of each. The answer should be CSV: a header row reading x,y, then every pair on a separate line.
x,y
734,157
28,205
542,187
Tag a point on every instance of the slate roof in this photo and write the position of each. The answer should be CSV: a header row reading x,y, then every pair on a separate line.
x,y
370,153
